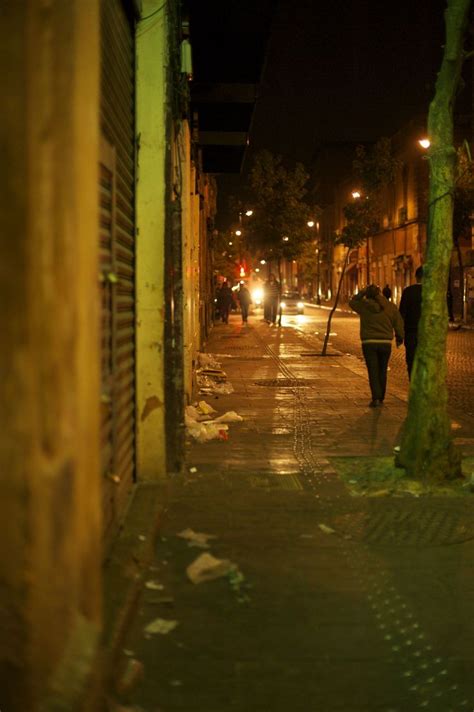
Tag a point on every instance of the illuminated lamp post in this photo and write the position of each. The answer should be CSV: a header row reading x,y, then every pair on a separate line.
x,y
356,194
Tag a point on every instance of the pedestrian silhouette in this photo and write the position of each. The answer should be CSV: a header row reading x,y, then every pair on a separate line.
x,y
379,319
410,309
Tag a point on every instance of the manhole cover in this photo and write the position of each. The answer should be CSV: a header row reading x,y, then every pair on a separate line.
x,y
406,528
283,382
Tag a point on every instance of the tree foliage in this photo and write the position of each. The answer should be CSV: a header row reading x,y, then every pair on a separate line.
x,y
225,256
374,170
279,209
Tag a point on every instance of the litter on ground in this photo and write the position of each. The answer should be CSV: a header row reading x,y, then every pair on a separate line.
x,y
206,568
230,417
196,538
327,530
205,408
202,432
160,626
154,586
207,360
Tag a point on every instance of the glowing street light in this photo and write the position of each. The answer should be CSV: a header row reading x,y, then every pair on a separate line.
x,y
355,194
285,238
424,142
231,243
249,213
310,223
263,262
238,233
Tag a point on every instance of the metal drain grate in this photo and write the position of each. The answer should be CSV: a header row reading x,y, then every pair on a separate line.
x,y
401,528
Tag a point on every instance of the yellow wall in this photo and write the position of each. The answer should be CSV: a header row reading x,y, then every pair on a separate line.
x,y
50,607
191,229
152,61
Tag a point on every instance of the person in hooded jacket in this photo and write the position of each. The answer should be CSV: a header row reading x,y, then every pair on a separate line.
x,y
379,320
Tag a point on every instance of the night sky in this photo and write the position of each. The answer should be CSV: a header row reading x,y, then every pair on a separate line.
x,y
355,72
344,71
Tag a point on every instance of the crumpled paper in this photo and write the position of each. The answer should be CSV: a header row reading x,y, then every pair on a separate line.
x,y
206,568
196,538
230,417
161,626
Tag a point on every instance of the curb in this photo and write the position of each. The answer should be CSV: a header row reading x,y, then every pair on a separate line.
x,y
125,571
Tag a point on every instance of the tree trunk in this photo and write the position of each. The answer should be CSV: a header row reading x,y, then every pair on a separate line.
x,y
427,449
339,286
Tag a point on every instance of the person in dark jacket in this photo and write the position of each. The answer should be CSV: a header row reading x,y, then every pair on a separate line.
x,y
243,295
410,309
271,299
379,319
225,299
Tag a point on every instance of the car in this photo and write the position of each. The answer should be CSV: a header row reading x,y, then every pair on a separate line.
x,y
291,303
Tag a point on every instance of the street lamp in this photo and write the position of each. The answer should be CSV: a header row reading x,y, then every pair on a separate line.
x,y
249,213
238,233
356,194
424,142
310,223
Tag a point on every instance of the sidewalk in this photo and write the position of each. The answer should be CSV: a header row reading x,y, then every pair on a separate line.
x,y
346,603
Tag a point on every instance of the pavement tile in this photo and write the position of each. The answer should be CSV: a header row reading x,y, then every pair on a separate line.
x,y
319,621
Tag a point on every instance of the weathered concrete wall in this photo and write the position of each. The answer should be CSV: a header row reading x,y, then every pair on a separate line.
x,y
190,202
49,398
152,63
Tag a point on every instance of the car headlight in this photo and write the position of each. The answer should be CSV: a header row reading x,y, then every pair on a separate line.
x,y
283,305
300,305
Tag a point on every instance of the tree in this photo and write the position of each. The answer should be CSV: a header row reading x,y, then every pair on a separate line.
x,y
226,249
359,217
427,450
375,170
277,228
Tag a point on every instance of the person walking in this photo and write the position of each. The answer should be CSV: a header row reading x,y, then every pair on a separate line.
x,y
387,292
271,291
243,295
225,299
410,309
379,319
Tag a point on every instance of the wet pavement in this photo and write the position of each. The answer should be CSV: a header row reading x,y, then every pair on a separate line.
x,y
345,603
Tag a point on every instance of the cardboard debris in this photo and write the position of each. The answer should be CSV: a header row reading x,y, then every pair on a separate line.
x,y
196,538
206,568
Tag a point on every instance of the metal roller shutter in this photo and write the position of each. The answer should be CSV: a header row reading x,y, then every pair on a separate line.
x,y
117,254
